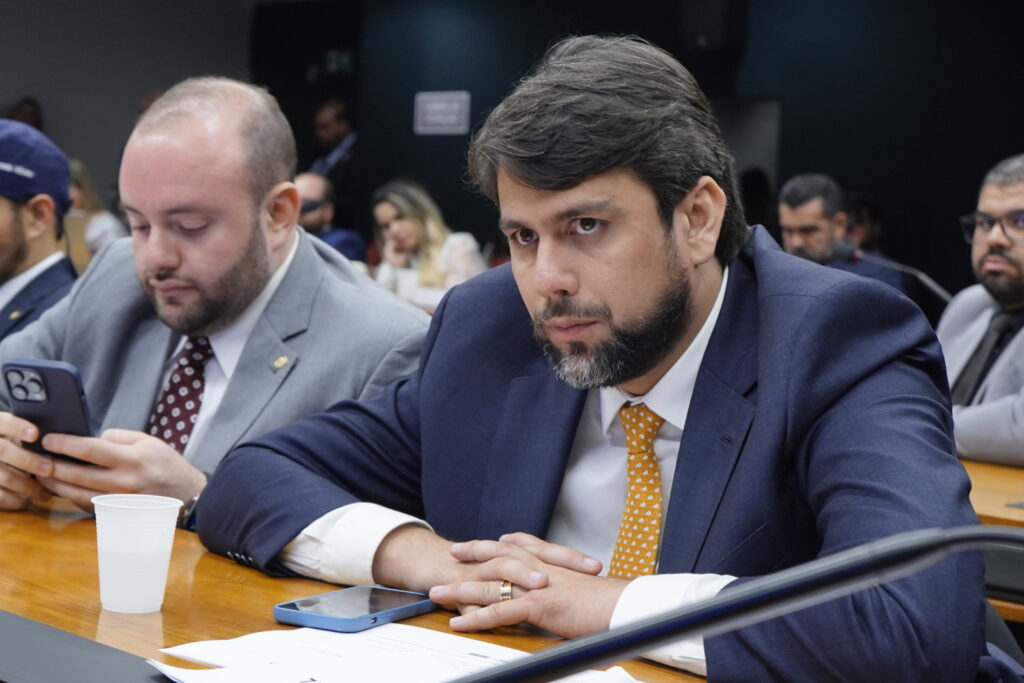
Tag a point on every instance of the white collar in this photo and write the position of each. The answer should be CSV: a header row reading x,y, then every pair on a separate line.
x,y
229,342
670,397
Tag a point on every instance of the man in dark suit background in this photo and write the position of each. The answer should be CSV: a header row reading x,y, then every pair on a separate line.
x,y
339,163
34,182
816,225
762,427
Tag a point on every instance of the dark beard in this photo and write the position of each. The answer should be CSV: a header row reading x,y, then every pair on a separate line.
x,y
631,351
15,256
1007,291
225,300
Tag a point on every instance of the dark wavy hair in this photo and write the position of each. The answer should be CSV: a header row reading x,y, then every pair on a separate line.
x,y
596,103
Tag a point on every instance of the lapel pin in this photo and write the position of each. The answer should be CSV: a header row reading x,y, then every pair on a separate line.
x,y
14,315
280,362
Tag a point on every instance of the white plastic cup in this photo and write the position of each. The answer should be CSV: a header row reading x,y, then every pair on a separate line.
x,y
134,535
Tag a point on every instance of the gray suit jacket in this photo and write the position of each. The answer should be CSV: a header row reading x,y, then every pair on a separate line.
x,y
328,333
992,427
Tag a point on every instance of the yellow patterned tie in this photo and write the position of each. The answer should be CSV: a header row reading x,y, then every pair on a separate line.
x,y
636,548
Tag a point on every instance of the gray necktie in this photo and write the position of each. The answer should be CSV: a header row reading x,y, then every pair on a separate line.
x,y
974,372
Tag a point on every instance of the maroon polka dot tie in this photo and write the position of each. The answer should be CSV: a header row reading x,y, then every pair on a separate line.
x,y
175,413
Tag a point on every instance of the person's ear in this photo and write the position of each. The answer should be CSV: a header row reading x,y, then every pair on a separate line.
x,y
38,217
841,221
281,213
697,220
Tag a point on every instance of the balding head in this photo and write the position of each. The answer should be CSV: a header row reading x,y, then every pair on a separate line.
x,y
263,130
206,184
312,186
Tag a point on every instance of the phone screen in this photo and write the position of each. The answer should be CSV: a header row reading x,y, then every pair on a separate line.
x,y
355,602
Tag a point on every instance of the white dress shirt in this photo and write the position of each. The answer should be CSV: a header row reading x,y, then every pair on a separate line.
x,y
340,545
10,289
228,344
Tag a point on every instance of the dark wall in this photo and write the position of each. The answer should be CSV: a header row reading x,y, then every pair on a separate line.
x,y
305,53
908,101
89,65
410,45
414,46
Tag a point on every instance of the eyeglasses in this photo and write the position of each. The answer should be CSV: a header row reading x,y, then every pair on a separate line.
x,y
1012,223
311,205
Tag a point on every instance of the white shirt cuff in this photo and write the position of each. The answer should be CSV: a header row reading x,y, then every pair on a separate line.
x,y
647,596
339,546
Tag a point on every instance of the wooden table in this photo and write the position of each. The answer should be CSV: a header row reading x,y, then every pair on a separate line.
x,y
992,487
48,573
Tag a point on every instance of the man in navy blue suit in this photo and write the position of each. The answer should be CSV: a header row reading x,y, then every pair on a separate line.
x,y
793,411
34,182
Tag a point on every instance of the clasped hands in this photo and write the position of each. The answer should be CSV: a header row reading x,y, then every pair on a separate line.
x,y
122,461
554,587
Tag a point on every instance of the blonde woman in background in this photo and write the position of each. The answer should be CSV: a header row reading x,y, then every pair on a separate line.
x,y
101,226
419,251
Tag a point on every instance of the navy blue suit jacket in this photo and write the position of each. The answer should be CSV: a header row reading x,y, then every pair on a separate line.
x,y
348,242
930,304
39,294
819,420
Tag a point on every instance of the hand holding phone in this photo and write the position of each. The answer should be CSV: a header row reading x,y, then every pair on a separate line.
x,y
49,394
353,609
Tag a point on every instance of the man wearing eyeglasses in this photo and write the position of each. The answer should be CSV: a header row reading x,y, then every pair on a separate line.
x,y
980,336
980,329
317,214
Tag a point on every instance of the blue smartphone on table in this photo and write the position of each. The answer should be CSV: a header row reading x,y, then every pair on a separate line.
x,y
50,395
353,609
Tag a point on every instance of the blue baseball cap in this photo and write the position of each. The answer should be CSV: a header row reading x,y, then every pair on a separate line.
x,y
31,164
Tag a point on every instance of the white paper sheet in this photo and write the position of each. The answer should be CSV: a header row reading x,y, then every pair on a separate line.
x,y
392,652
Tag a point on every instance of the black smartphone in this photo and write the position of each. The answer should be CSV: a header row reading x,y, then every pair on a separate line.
x,y
48,394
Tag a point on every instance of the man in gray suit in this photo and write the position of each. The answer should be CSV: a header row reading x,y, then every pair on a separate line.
x,y
980,330
981,338
219,321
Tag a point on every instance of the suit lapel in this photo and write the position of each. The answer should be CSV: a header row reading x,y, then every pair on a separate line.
x,y
264,365
267,360
717,425
1004,371
958,356
529,455
141,378
13,313
24,302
